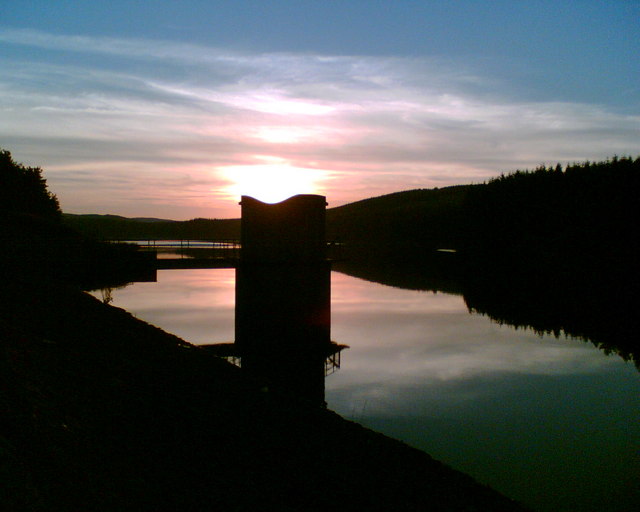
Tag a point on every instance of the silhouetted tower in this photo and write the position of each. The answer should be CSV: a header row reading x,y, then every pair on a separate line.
x,y
290,232
283,295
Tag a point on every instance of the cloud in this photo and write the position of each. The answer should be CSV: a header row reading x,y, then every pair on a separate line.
x,y
379,124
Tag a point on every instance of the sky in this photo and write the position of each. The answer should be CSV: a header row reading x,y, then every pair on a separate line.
x,y
175,109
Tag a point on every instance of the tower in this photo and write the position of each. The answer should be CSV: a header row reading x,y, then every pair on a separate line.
x,y
283,297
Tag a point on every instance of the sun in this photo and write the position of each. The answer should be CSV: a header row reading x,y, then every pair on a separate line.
x,y
272,181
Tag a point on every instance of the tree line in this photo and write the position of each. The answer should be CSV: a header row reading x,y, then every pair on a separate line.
x,y
581,213
584,214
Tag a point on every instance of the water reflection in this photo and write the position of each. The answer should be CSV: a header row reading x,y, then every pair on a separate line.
x,y
552,422
597,310
196,305
412,333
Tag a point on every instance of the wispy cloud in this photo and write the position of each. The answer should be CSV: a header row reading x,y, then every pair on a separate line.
x,y
380,124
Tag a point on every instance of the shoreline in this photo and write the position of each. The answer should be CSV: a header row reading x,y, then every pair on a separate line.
x,y
108,412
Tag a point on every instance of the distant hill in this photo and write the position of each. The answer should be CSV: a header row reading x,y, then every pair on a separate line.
x,y
578,216
402,220
545,216
98,217
407,224
151,219
115,227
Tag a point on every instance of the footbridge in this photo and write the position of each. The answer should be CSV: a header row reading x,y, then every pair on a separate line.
x,y
196,254
189,254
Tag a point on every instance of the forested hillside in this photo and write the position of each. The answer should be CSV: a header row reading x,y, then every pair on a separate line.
x,y
586,211
403,225
549,215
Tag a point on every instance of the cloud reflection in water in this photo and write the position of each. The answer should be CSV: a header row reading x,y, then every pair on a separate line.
x,y
197,305
406,336
550,422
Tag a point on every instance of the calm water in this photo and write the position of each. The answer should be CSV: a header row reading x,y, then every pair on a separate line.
x,y
551,422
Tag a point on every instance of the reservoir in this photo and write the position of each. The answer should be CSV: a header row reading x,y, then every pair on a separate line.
x,y
550,421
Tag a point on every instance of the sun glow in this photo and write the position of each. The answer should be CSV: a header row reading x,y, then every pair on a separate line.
x,y
272,181
285,134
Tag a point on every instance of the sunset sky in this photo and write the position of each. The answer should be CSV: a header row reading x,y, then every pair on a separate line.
x,y
173,109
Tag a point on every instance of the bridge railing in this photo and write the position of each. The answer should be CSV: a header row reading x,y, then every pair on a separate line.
x,y
206,248
201,248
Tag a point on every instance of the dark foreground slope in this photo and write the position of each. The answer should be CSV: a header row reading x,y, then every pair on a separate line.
x,y
101,411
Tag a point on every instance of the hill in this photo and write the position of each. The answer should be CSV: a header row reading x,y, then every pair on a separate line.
x,y
572,218
402,225
397,220
114,227
579,216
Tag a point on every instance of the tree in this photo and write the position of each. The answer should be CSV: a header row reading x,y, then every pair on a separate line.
x,y
23,190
